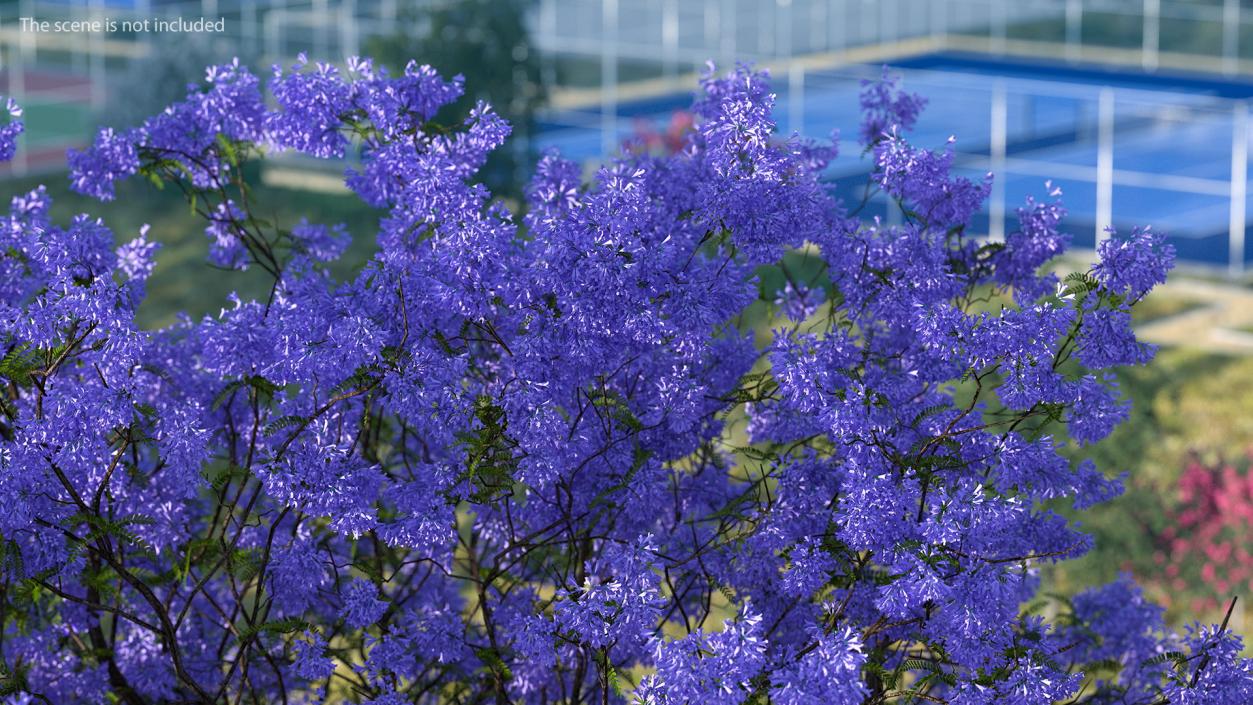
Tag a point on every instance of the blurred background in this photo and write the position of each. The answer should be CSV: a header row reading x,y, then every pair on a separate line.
x,y
1137,109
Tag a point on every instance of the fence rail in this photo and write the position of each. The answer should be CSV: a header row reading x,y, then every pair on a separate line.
x,y
602,58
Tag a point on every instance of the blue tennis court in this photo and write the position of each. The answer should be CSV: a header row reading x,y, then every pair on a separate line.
x,y
1168,140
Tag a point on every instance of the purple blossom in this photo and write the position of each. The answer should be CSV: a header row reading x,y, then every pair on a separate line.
x,y
112,157
313,101
1097,410
1134,264
830,674
886,108
508,459
1106,340
921,178
10,131
309,658
1037,241
361,604
226,249
1221,676
322,243
134,258
715,668
799,302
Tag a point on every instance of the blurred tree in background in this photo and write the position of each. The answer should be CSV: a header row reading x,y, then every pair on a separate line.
x,y
162,76
487,42
1207,534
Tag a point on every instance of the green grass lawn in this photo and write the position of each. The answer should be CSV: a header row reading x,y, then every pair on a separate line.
x,y
183,280
1157,306
1185,404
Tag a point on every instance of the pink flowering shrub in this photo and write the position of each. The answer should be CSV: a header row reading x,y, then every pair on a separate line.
x,y
1205,549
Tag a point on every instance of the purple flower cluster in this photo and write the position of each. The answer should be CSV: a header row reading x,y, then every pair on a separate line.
x,y
10,131
886,107
562,456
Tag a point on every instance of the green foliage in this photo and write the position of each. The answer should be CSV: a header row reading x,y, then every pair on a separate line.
x,y
287,625
18,364
180,261
490,463
12,681
1186,404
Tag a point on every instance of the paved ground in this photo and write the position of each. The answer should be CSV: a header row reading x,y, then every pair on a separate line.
x,y
1223,324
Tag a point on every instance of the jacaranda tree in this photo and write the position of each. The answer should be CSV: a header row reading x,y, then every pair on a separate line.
x,y
551,458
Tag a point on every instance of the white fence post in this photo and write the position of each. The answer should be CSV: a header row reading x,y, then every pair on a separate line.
x,y
818,39
270,24
869,30
96,59
1239,186
547,38
999,28
321,18
348,31
783,29
939,10
888,28
17,90
720,29
796,97
1074,29
609,77
1231,36
997,153
837,26
1104,163
248,28
1152,34
670,37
